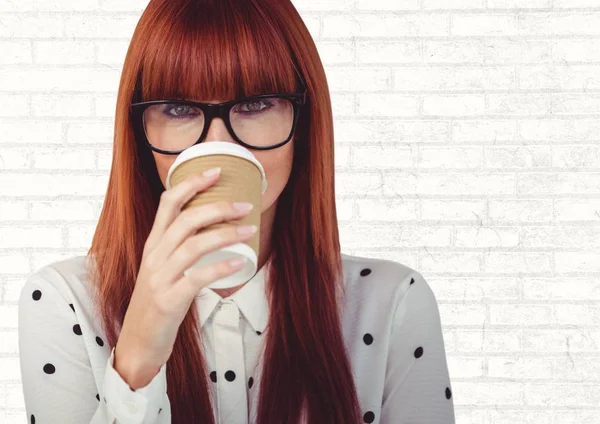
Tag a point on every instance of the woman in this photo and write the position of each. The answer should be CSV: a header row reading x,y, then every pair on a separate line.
x,y
315,336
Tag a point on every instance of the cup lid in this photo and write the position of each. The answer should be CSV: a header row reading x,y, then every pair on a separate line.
x,y
217,148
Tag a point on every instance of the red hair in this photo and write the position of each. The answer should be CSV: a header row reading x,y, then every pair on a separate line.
x,y
205,49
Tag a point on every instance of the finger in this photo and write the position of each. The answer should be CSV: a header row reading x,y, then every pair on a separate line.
x,y
194,248
171,202
190,285
189,222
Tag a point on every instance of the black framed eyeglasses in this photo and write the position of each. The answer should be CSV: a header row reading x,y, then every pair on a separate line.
x,y
171,126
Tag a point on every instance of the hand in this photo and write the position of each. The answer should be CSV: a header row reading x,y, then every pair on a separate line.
x,y
162,295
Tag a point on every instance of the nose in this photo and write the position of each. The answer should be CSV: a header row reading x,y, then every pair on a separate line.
x,y
217,131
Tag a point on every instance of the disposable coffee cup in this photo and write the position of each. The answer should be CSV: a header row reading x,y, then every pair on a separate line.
x,y
242,179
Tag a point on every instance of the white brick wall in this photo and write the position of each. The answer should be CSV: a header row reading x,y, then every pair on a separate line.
x,y
467,147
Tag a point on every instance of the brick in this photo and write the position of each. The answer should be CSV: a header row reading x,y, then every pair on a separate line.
x,y
372,236
450,262
62,210
554,23
12,210
325,5
560,77
484,131
100,25
453,4
513,262
576,50
19,237
358,130
555,289
393,210
387,5
519,4
375,51
61,52
487,237
370,25
63,158
31,132
577,261
385,156
18,25
18,105
517,210
61,105
577,209
453,78
543,183
111,52
57,79
14,158
387,104
520,368
524,157
16,52
358,79
484,25
562,394
45,184
453,105
452,210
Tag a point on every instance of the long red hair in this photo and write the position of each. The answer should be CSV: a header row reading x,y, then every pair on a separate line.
x,y
205,49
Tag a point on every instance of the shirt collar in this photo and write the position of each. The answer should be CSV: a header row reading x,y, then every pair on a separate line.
x,y
251,300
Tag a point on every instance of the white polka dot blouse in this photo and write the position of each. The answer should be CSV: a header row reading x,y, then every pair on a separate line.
x,y
390,322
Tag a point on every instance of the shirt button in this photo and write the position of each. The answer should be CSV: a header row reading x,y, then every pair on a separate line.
x,y
131,406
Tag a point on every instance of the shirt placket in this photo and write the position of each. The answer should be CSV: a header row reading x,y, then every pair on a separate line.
x,y
230,367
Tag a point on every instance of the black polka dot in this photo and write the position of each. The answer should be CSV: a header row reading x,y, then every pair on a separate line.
x,y
448,393
49,369
229,375
368,339
412,280
259,333
77,329
160,409
213,376
250,382
98,396
418,352
365,272
369,417
36,296
71,305
32,419
99,341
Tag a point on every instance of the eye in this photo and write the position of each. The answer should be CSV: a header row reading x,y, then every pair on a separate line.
x,y
254,106
181,110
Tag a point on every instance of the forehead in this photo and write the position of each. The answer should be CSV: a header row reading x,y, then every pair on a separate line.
x,y
216,100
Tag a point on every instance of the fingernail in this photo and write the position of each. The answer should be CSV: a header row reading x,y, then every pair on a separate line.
x,y
243,206
235,262
211,172
246,229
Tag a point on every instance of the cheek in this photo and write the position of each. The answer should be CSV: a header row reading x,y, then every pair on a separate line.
x,y
277,167
163,163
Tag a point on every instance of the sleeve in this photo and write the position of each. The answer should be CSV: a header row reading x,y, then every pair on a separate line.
x,y
57,379
417,387
141,406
